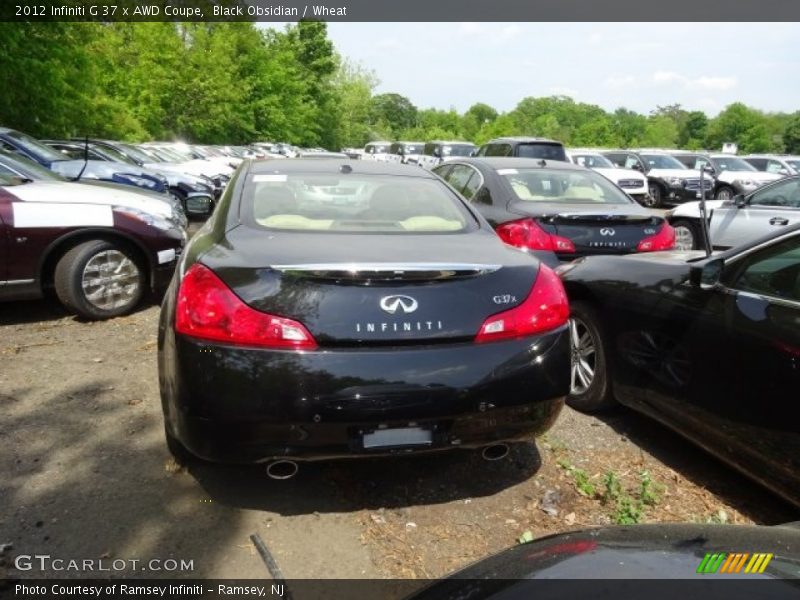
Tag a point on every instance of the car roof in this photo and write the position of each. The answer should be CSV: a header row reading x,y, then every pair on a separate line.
x,y
450,142
523,139
510,162
334,166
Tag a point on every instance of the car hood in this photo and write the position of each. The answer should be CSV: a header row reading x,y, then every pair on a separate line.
x,y
617,174
67,192
682,173
751,175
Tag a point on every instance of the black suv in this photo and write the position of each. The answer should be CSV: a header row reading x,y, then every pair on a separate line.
x,y
524,147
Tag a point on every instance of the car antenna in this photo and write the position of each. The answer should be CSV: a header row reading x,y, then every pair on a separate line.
x,y
85,159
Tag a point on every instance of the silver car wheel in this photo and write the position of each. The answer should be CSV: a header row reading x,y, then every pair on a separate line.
x,y
684,238
582,355
110,280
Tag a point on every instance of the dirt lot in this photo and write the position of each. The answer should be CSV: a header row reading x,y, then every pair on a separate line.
x,y
84,474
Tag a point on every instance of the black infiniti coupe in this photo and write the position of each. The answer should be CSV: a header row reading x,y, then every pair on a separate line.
x,y
710,346
335,308
556,210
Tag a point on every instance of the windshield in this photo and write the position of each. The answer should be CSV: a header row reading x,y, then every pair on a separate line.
x,y
592,161
794,163
377,149
135,153
413,148
662,161
25,167
732,163
114,154
457,150
34,146
352,203
545,185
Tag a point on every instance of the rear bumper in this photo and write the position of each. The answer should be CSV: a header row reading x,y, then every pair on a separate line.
x,y
243,405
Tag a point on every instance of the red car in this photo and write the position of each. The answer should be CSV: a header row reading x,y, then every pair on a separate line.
x,y
100,249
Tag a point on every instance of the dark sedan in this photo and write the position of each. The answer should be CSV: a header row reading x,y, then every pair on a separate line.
x,y
345,308
556,210
708,346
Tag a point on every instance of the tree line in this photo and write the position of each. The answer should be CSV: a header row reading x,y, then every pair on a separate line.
x,y
235,83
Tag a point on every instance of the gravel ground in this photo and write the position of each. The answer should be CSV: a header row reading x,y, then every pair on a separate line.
x,y
85,474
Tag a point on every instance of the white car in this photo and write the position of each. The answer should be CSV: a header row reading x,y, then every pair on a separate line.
x,y
405,152
630,181
439,151
737,221
780,164
732,175
377,151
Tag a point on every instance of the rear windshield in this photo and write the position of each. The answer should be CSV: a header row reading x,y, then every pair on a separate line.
x,y
353,203
540,150
582,187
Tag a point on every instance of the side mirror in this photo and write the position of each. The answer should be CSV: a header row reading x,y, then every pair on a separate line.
x,y
783,171
709,169
740,201
706,275
636,167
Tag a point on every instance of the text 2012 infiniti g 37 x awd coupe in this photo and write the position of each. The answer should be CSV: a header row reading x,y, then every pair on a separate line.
x,y
332,308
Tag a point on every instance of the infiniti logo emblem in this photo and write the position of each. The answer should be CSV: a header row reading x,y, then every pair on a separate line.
x,y
393,304
607,231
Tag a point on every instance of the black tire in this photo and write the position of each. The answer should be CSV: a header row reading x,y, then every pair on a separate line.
x,y
117,297
656,195
685,228
597,395
178,451
725,192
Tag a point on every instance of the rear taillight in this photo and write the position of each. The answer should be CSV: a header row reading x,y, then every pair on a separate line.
x,y
528,235
545,308
207,309
663,240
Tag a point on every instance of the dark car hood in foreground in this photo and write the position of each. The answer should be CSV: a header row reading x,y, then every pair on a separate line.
x,y
335,283
606,229
663,551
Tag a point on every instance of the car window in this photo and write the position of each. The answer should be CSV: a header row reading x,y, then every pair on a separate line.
x,y
475,181
540,150
631,162
662,161
459,177
352,203
498,150
773,166
784,194
545,185
774,271
760,164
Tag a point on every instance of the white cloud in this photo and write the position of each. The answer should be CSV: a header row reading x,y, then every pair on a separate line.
x,y
510,31
618,82
704,82
470,28
562,91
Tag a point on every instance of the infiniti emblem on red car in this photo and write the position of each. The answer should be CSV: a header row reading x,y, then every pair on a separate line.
x,y
393,304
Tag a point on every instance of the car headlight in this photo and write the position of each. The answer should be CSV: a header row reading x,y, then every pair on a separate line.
x,y
157,221
674,180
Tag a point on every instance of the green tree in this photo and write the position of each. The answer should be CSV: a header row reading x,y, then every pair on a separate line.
x,y
660,131
791,135
353,86
693,129
393,111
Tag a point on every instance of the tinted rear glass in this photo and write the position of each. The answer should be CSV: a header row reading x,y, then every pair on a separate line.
x,y
353,203
539,150
544,185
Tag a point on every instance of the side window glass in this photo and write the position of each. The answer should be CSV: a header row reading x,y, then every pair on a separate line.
x,y
631,161
444,172
784,194
459,177
774,166
472,184
483,196
773,272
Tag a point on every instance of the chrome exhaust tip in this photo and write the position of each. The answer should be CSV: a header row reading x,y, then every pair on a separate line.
x,y
282,469
495,452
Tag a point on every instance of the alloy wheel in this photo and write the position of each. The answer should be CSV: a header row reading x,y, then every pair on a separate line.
x,y
582,357
110,280
684,238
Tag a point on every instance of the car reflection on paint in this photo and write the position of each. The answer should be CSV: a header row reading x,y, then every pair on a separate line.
x,y
392,320
708,346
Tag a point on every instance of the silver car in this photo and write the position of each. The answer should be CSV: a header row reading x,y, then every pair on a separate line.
x,y
740,220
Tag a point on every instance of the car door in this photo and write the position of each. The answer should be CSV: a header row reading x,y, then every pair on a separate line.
x,y
764,324
766,210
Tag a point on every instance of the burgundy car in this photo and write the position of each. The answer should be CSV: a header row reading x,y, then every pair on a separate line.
x,y
100,249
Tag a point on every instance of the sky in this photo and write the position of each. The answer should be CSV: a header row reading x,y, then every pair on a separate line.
x,y
702,66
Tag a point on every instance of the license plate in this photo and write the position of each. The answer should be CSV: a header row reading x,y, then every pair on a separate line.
x,y
402,436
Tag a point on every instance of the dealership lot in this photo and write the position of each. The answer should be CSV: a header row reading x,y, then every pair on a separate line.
x,y
88,476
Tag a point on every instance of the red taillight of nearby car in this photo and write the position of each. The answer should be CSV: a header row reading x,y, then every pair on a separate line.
x,y
207,309
545,308
664,239
528,235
